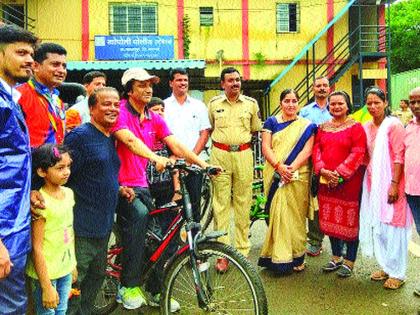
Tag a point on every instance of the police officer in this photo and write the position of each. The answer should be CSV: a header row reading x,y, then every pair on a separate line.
x,y
233,117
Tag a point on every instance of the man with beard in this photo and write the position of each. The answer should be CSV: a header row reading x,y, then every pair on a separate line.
x,y
16,49
233,117
318,113
43,110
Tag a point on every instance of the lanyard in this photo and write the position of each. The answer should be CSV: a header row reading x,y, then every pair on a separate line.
x,y
48,103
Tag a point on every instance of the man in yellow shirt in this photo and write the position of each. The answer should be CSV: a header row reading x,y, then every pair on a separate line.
x,y
233,117
404,113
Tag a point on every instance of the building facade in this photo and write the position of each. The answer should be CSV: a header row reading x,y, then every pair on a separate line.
x,y
274,44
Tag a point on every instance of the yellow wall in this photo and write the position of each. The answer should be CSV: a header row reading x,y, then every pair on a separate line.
x,y
58,21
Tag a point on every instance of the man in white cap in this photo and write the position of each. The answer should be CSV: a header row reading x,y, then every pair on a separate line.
x,y
137,123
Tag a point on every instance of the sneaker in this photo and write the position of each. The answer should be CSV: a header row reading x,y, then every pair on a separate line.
x,y
222,265
131,298
313,250
175,307
332,266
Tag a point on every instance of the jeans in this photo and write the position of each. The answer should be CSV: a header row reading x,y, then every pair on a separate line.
x,y
133,218
315,236
12,289
414,203
337,247
91,254
194,183
62,285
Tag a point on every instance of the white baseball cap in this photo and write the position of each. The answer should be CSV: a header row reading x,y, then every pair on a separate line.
x,y
138,74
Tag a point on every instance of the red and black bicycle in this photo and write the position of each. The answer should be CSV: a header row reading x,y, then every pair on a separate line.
x,y
190,276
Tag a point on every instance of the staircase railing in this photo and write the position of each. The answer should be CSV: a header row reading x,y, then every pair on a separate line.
x,y
305,52
363,41
10,15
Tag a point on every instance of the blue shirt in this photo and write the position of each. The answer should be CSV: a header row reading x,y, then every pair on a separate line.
x,y
15,174
315,114
94,180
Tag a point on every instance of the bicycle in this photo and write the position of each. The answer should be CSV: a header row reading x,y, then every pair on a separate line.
x,y
257,210
189,275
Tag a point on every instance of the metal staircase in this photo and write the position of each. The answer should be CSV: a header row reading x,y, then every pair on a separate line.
x,y
16,14
362,43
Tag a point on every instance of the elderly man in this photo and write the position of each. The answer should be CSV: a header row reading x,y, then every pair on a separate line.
x,y
16,49
137,124
318,113
43,109
412,161
233,117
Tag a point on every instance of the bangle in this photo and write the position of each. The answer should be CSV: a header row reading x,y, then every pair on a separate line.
x,y
394,181
277,165
177,192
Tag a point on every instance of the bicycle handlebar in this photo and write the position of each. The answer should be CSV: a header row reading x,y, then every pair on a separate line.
x,y
182,165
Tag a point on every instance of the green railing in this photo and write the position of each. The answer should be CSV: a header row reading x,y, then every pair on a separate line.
x,y
362,41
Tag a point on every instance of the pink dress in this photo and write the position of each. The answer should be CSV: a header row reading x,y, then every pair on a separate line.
x,y
396,134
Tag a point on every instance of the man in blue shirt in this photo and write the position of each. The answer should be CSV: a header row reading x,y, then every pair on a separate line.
x,y
94,180
318,113
16,50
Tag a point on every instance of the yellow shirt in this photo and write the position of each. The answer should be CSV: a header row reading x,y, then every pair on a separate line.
x,y
233,123
403,116
58,243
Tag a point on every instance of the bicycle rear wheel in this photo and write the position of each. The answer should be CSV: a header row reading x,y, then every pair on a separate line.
x,y
105,301
238,291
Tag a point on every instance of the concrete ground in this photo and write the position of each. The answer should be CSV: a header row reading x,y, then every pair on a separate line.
x,y
314,292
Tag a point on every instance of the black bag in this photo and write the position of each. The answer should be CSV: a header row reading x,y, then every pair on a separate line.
x,y
153,176
314,184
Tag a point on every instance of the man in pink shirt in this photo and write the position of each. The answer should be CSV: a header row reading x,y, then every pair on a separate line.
x,y
412,161
136,123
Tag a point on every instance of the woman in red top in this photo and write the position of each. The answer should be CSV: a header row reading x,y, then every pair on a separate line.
x,y
339,149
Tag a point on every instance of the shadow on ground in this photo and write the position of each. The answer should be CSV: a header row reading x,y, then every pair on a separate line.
x,y
314,292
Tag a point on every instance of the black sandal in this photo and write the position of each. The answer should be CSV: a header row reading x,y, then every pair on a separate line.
x,y
332,266
344,271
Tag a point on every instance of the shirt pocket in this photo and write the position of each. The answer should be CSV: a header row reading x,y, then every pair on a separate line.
x,y
245,118
220,119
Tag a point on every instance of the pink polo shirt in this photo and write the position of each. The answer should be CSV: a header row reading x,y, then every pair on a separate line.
x,y
412,158
151,130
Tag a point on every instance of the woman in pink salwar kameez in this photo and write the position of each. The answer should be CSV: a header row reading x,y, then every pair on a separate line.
x,y
385,218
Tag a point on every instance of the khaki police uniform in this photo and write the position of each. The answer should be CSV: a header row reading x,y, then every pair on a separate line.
x,y
233,125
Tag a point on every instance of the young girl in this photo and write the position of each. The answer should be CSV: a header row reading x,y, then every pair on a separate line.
x,y
52,266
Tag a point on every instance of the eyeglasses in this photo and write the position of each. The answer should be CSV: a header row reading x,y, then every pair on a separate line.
x,y
413,102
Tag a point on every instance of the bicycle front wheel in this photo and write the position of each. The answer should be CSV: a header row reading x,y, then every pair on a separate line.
x,y
237,291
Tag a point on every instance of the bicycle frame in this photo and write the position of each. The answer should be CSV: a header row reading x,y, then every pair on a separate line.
x,y
184,213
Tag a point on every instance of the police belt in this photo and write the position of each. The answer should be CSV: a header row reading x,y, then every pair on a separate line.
x,y
232,147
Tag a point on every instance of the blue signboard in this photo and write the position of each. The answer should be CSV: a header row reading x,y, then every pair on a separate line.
x,y
134,47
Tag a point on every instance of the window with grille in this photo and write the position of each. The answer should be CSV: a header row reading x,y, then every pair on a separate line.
x,y
133,18
206,16
287,17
